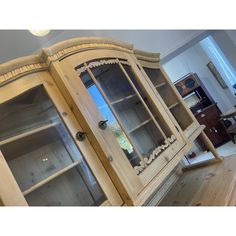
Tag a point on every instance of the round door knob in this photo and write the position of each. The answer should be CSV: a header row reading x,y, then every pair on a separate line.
x,y
80,136
102,124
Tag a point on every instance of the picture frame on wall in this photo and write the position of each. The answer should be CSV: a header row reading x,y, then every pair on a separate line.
x,y
216,74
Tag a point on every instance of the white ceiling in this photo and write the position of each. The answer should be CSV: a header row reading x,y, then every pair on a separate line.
x,y
17,43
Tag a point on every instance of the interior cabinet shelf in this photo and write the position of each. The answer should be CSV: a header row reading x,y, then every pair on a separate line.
x,y
160,85
43,182
139,126
173,105
124,99
28,133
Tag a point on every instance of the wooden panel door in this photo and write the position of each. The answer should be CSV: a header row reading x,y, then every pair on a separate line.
x,y
121,111
47,152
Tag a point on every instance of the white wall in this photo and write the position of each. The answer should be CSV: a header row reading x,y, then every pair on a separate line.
x,y
194,60
227,43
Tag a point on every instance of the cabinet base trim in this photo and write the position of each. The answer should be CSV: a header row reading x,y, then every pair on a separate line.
x,y
160,177
202,164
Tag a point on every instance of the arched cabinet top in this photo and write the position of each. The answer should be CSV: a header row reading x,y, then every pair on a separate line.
x,y
16,68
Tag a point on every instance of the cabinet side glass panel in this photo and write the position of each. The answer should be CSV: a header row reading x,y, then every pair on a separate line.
x,y
169,97
42,155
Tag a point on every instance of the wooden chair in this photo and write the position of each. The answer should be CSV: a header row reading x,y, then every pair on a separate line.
x,y
230,128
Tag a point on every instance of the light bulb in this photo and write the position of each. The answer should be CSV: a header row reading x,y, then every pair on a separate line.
x,y
39,33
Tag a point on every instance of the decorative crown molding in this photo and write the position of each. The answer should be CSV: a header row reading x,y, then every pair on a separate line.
x,y
72,45
25,65
147,56
21,66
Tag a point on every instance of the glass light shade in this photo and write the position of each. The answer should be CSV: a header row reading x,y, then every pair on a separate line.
x,y
39,33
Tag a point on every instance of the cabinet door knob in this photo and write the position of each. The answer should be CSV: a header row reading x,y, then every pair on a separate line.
x,y
102,124
80,136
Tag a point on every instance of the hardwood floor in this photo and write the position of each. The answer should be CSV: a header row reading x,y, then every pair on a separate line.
x,y
213,185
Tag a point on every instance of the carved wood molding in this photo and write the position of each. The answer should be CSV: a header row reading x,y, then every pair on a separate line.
x,y
147,56
98,63
86,42
155,153
25,65
79,48
14,72
139,169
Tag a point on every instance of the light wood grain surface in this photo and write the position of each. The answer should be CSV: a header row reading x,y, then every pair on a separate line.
x,y
213,185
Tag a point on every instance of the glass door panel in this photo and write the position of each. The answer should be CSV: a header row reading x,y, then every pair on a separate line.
x,y
128,111
169,97
156,114
45,161
112,123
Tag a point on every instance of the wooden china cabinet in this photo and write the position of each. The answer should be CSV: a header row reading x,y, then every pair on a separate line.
x,y
89,122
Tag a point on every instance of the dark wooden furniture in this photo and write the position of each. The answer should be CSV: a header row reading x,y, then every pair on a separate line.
x,y
204,108
229,125
216,132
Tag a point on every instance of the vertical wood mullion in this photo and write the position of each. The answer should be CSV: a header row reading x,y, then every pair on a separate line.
x,y
143,102
114,113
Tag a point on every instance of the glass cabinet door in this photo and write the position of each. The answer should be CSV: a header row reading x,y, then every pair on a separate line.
x,y
42,156
169,96
136,123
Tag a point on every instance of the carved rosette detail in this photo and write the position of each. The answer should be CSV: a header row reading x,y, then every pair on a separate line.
x,y
102,62
155,153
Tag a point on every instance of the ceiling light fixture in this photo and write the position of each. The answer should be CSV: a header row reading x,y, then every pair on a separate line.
x,y
39,33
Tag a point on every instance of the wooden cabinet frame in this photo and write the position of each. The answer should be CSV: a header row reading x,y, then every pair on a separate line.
x,y
56,69
11,193
73,89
